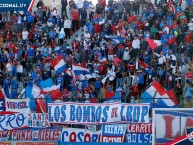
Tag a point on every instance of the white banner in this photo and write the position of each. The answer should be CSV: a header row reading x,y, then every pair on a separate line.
x,y
38,120
13,120
79,135
172,124
99,113
17,105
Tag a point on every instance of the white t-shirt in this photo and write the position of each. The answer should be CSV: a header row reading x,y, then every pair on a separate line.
x,y
190,25
80,4
9,67
24,35
53,4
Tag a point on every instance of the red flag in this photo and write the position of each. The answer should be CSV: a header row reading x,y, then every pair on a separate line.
x,y
153,44
56,94
143,64
2,94
172,96
159,88
41,104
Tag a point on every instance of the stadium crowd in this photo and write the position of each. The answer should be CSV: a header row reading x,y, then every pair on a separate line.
x,y
112,45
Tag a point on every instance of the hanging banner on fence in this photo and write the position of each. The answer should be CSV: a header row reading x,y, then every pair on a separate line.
x,y
35,143
139,133
79,135
113,133
140,128
38,120
173,125
13,5
17,105
100,113
5,135
2,105
5,143
36,134
139,138
13,120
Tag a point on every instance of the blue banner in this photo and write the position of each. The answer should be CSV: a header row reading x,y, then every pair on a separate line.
x,y
114,132
139,138
16,5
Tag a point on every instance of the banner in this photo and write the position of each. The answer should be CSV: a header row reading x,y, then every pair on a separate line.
x,y
2,105
5,135
5,143
35,143
99,113
13,120
38,120
171,125
139,133
13,5
79,135
139,138
36,134
139,128
17,105
113,133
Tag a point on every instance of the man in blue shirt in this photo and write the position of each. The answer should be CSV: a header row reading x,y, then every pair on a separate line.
x,y
141,81
60,81
30,53
30,20
97,86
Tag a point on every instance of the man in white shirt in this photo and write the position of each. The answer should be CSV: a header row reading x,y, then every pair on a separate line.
x,y
19,71
161,58
67,26
53,5
166,29
136,43
190,25
171,57
9,68
80,6
24,36
86,35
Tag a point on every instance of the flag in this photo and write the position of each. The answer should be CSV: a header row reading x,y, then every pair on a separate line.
x,y
56,94
79,69
116,97
2,100
103,60
71,73
59,64
41,102
86,44
161,95
32,92
48,85
2,94
57,50
153,44
145,66
115,39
